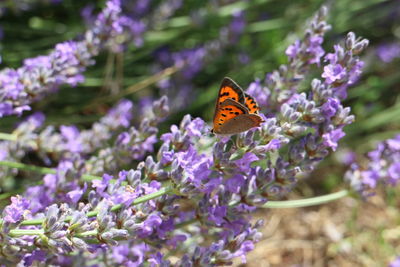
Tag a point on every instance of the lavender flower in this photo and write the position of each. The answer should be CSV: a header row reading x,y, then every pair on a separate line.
x,y
52,146
14,151
16,212
194,179
395,263
222,252
388,52
132,144
381,165
43,75
280,85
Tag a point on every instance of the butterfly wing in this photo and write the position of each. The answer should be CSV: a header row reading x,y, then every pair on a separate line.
x,y
227,110
240,123
251,104
228,90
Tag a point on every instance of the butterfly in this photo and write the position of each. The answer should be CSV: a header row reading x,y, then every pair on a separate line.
x,y
235,111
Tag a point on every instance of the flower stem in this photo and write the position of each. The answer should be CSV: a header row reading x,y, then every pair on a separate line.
x,y
86,234
290,204
19,232
42,170
137,87
165,190
306,202
8,137
22,166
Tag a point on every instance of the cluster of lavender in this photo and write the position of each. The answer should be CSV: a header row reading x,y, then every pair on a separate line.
x,y
111,29
281,84
52,146
381,165
136,19
190,62
88,151
388,52
190,204
131,145
108,215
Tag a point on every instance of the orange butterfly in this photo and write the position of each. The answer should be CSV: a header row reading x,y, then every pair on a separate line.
x,y
235,111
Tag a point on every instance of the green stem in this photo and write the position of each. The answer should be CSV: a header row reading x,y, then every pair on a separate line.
x,y
42,170
19,232
86,234
271,204
306,202
290,204
26,167
6,195
8,137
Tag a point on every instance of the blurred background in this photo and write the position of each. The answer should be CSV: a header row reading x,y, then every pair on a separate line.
x,y
244,40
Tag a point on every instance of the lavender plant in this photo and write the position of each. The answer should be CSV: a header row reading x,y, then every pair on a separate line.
x,y
388,52
43,75
52,146
193,198
381,165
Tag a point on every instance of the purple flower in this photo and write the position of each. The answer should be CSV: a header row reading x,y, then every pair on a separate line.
x,y
194,128
394,144
260,93
75,195
245,248
36,255
293,49
43,75
388,52
244,163
315,50
101,185
330,107
17,210
333,73
381,165
238,23
395,263
38,198
150,225
71,134
217,214
120,253
235,183
6,109
121,114
370,178
331,138
274,144
394,172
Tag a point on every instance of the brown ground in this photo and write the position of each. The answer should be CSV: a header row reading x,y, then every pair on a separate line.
x,y
347,232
